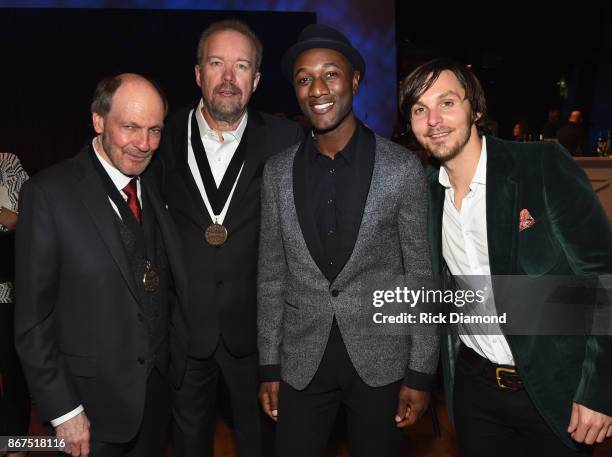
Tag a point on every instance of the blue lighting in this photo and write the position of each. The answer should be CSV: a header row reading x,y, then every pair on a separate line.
x,y
371,29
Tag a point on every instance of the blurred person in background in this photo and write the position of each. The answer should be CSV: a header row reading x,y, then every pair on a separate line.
x,y
572,135
549,130
520,131
14,397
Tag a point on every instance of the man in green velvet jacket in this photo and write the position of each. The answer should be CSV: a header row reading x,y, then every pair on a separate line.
x,y
497,210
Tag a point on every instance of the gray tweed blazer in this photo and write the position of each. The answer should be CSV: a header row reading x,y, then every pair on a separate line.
x,y
296,303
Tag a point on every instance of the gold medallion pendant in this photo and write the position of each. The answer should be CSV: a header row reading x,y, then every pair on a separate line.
x,y
215,234
150,279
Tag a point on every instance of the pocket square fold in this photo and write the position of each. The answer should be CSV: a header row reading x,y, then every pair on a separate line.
x,y
526,220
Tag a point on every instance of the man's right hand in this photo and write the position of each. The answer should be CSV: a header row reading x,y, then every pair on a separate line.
x,y
75,432
268,395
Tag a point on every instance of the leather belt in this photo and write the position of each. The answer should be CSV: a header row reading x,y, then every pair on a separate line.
x,y
503,376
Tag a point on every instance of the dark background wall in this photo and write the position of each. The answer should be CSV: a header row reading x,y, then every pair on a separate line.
x,y
370,25
523,53
54,58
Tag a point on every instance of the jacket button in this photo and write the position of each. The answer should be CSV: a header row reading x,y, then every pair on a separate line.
x,y
139,317
141,360
219,283
335,293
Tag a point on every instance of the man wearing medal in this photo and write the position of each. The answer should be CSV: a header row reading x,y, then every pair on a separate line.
x,y
98,275
341,208
209,167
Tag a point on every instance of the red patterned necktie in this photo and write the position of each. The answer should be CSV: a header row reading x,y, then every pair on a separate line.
x,y
132,199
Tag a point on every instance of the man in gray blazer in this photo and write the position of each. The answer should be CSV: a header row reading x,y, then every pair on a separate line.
x,y
341,208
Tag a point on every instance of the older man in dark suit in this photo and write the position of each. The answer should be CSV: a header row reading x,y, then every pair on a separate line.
x,y
97,266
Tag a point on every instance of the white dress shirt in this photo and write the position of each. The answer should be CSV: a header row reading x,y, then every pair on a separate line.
x,y
466,252
120,181
219,155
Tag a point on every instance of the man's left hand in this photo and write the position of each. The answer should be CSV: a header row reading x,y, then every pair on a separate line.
x,y
412,404
588,426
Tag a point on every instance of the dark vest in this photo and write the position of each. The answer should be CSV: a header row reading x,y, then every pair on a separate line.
x,y
144,242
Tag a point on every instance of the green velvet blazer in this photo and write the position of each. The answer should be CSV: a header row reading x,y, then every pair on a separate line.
x,y
571,237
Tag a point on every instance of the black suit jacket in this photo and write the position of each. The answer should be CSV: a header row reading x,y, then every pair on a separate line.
x,y
78,323
222,280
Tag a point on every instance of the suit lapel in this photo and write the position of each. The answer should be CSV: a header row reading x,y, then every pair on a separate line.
x,y
503,194
364,226
200,212
168,231
92,193
193,196
365,152
303,209
253,163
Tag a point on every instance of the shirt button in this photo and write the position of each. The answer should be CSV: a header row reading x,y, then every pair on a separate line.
x,y
331,232
330,201
331,263
335,293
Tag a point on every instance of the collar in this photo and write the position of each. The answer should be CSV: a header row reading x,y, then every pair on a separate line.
x,y
480,177
347,154
119,179
211,134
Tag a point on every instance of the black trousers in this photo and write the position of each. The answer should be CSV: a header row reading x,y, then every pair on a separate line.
x,y
306,417
493,421
14,396
153,433
194,402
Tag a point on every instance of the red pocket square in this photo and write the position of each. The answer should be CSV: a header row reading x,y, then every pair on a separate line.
x,y
526,221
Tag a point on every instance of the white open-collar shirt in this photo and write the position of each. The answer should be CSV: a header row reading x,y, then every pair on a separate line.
x,y
466,252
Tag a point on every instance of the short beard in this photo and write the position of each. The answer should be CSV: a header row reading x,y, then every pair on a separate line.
x,y
221,111
453,150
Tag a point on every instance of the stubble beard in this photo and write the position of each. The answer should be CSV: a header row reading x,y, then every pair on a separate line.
x,y
444,153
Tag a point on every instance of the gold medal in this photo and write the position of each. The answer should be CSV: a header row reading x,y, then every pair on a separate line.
x,y
150,278
215,234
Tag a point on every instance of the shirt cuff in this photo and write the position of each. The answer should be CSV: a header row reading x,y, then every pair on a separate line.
x,y
269,373
419,381
60,420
